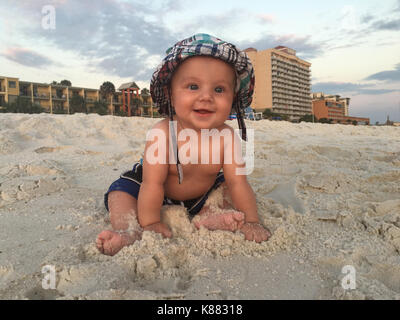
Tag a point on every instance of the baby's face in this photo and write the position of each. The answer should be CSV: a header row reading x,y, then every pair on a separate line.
x,y
202,92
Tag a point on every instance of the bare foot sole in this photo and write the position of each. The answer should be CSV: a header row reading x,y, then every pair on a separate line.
x,y
226,220
110,242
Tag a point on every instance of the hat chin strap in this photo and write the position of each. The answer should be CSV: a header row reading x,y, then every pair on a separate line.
x,y
174,139
239,116
172,132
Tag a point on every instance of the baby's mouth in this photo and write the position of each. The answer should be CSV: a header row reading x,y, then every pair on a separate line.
x,y
203,111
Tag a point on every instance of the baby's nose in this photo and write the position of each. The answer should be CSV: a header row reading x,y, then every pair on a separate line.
x,y
206,94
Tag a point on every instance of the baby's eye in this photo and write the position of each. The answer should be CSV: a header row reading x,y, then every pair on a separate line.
x,y
193,86
219,89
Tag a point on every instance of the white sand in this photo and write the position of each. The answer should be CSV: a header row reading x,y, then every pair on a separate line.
x,y
329,193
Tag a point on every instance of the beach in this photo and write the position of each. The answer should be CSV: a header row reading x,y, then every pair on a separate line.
x,y
330,194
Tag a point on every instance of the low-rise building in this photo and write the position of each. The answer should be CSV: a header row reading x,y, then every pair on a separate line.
x,y
334,108
56,98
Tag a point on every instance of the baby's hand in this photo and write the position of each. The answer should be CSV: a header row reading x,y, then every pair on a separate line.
x,y
159,227
255,231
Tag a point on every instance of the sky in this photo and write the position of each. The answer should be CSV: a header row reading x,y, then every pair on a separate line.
x,y
353,45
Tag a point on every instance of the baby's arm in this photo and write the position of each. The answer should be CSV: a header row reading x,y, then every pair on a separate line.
x,y
243,198
151,193
150,200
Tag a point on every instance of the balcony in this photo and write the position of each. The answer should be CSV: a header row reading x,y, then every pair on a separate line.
x,y
24,94
59,98
40,96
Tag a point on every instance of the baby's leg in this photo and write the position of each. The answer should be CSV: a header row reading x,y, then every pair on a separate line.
x,y
223,217
126,229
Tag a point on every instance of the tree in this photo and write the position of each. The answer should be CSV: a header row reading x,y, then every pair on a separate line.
x,y
268,114
121,113
77,104
324,120
354,122
100,107
307,118
62,83
137,103
66,83
145,92
22,105
107,89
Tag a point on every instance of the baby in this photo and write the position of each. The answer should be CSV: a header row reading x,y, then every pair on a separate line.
x,y
198,84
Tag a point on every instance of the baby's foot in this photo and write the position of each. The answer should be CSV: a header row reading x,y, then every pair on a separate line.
x,y
229,220
110,242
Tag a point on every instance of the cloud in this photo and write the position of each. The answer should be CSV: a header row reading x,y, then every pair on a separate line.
x,y
366,18
172,5
388,22
26,57
225,20
114,36
303,45
266,18
392,25
117,37
388,75
376,107
348,87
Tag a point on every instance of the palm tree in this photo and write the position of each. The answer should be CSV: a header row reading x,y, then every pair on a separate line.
x,y
107,89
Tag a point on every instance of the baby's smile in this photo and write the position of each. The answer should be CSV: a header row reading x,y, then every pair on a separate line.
x,y
204,112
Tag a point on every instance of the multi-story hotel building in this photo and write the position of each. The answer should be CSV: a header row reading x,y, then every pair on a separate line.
x,y
333,108
56,98
283,82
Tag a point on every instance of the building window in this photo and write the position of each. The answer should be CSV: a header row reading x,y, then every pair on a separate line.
x,y
12,84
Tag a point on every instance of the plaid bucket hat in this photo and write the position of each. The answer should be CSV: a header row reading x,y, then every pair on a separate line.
x,y
205,45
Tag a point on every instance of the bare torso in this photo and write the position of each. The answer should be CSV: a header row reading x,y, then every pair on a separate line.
x,y
197,178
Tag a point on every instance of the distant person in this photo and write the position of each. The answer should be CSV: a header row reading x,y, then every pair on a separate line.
x,y
197,85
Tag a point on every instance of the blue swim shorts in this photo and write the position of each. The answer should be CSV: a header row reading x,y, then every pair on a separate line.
x,y
130,182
